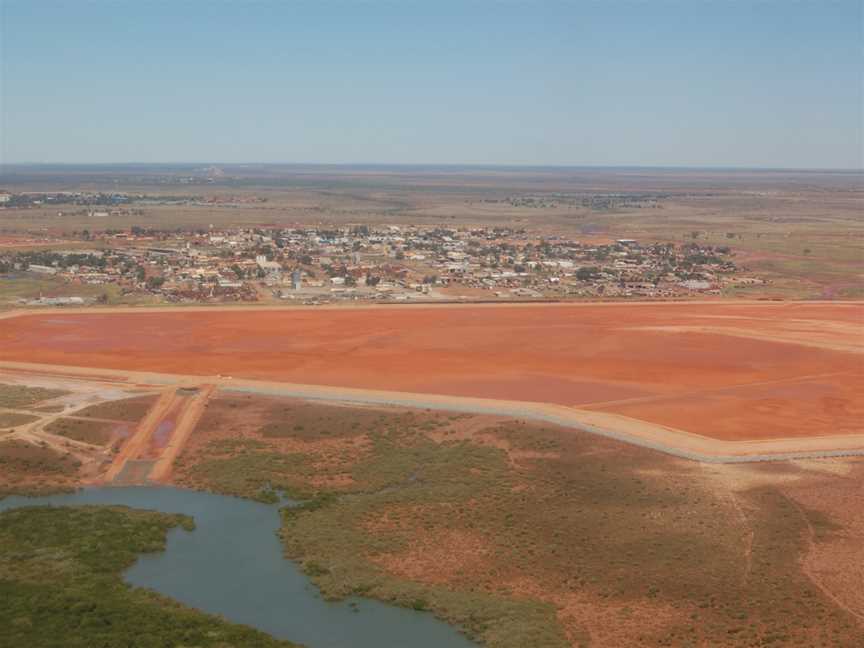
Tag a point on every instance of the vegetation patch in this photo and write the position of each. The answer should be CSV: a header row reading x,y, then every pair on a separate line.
x,y
61,584
131,410
247,469
26,457
27,469
250,446
48,409
315,422
28,287
14,419
93,432
22,396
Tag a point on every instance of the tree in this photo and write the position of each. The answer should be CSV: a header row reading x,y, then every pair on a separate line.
x,y
587,273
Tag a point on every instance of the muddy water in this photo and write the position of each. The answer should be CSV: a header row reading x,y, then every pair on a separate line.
x,y
232,565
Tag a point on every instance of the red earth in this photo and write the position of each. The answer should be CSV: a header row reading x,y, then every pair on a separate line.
x,y
726,370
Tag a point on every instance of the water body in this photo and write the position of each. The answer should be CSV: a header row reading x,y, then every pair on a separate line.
x,y
232,565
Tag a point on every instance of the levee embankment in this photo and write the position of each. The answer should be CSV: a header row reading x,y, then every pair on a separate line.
x,y
663,439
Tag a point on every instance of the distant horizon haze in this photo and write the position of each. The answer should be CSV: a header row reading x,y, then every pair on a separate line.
x,y
387,166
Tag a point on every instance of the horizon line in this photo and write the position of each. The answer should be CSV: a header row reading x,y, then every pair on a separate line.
x,y
476,165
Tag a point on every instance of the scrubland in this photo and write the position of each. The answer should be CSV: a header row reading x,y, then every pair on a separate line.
x,y
522,535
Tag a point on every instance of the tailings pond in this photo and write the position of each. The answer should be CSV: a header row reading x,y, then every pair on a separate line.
x,y
232,565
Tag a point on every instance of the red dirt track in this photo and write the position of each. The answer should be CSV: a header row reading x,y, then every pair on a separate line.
x,y
731,371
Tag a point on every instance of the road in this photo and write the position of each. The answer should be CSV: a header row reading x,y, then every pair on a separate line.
x,y
656,437
136,446
187,420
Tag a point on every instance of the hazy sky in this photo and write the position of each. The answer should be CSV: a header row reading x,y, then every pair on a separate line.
x,y
692,82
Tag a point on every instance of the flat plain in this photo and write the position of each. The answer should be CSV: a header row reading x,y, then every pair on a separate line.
x,y
728,371
518,531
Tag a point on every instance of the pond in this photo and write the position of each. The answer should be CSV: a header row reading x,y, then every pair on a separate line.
x,y
232,565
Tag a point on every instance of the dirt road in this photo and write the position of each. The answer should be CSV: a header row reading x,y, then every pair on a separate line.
x,y
135,447
187,420
664,439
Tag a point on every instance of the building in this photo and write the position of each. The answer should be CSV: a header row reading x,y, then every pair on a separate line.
x,y
695,284
57,301
267,266
41,269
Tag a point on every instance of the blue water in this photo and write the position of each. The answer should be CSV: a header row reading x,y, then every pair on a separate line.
x,y
232,565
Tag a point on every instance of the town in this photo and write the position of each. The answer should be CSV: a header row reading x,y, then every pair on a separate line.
x,y
314,265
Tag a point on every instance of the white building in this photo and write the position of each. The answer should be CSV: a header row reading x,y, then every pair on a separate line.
x,y
267,266
41,269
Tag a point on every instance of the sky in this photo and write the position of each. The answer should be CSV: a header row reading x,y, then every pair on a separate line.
x,y
718,83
